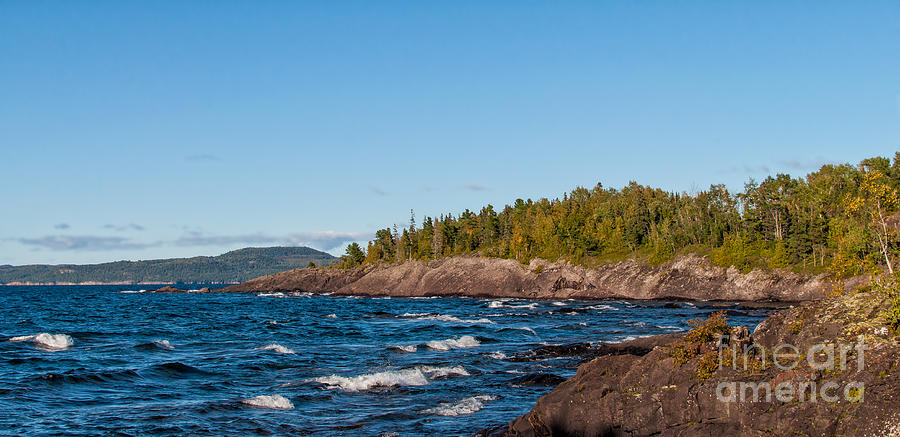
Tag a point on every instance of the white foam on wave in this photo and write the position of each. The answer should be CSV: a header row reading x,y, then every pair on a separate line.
x,y
276,294
454,319
465,406
559,304
275,347
275,402
669,327
603,307
502,304
50,342
163,344
331,316
526,328
415,376
405,377
409,348
497,355
463,342
441,372
132,291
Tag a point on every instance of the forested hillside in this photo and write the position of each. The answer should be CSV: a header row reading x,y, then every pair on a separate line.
x,y
839,218
236,266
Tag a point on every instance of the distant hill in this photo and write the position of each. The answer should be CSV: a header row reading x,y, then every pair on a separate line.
x,y
235,266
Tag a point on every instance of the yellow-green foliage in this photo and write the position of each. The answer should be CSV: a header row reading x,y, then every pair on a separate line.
x,y
704,331
707,365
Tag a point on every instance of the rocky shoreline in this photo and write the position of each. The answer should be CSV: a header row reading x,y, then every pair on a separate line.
x,y
687,278
653,388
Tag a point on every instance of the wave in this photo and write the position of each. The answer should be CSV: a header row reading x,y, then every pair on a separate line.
x,y
497,355
48,342
275,294
465,406
502,304
275,402
669,327
81,376
410,348
603,307
275,347
416,376
442,372
448,318
133,291
463,342
405,377
331,316
559,304
178,369
156,344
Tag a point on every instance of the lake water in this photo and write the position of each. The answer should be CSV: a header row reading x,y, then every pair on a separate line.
x,y
118,361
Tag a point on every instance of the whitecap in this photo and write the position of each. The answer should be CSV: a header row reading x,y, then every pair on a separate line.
x,y
50,342
441,372
465,406
463,342
415,376
405,377
276,294
410,348
454,319
559,304
603,307
276,402
132,291
163,344
674,328
331,316
497,355
275,347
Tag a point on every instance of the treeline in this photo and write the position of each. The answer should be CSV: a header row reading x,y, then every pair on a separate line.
x,y
235,266
839,218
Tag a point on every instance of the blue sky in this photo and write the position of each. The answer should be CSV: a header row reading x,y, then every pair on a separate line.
x,y
139,130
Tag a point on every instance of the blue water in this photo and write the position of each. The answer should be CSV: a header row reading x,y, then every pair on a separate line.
x,y
346,375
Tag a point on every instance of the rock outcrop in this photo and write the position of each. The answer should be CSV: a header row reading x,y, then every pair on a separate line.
x,y
689,277
653,393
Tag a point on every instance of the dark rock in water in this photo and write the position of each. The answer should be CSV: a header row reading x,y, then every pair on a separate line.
x,y
538,379
553,351
204,290
169,289
671,305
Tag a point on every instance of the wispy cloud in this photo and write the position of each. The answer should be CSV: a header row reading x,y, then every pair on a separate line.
x,y
121,228
202,157
475,187
61,226
324,240
804,165
378,191
85,243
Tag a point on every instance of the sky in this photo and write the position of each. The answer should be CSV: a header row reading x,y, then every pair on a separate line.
x,y
142,130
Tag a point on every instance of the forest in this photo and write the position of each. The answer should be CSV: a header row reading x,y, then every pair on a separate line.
x,y
840,219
